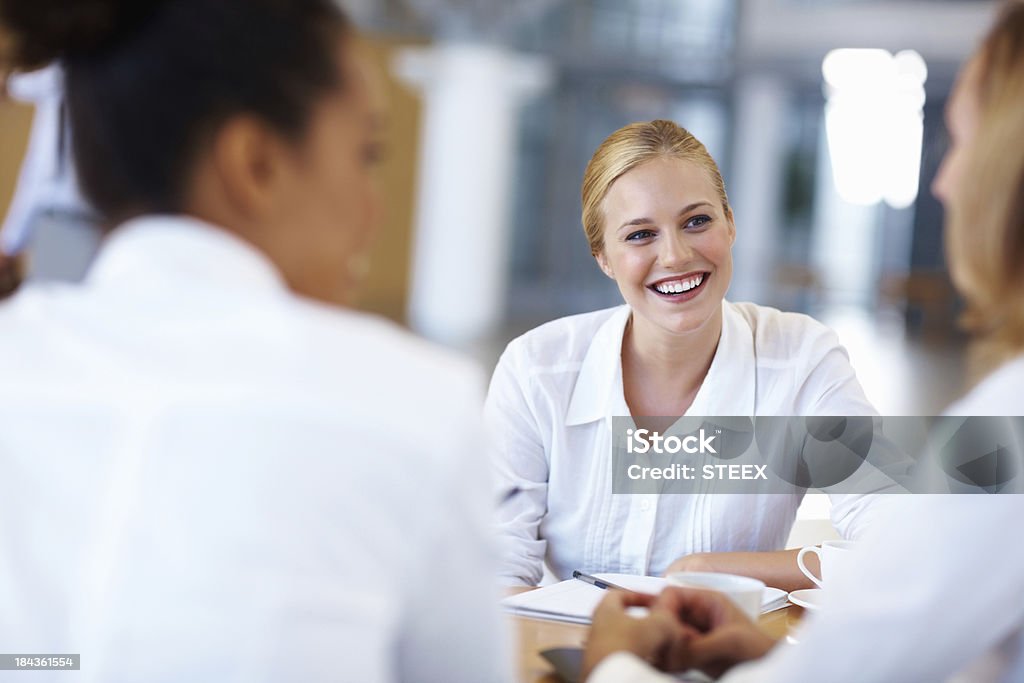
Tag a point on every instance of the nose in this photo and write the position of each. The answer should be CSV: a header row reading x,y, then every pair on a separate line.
x,y
675,250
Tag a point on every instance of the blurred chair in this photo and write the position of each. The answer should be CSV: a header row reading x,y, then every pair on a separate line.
x,y
794,287
926,297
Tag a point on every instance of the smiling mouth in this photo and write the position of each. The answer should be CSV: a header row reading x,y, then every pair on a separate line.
x,y
680,289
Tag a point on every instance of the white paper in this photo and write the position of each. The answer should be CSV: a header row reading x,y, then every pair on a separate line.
x,y
574,601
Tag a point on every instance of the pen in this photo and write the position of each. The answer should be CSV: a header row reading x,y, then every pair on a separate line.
x,y
594,581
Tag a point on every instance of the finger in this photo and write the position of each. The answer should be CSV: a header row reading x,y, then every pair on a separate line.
x,y
666,625
654,636
631,599
712,648
616,602
673,652
676,654
703,609
610,605
622,599
675,604
673,598
721,649
694,607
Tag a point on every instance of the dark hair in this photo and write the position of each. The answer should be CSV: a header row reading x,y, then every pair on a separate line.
x,y
149,82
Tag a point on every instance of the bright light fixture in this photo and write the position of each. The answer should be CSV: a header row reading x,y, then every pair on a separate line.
x,y
875,124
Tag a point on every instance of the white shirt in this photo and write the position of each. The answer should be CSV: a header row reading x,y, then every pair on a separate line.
x,y
208,478
935,592
550,406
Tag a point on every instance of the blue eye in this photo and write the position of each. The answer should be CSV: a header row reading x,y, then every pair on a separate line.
x,y
698,221
639,235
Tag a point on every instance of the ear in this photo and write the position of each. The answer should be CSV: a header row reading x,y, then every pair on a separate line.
x,y
602,261
732,227
249,160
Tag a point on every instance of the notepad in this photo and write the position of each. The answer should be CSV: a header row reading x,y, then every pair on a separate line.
x,y
574,601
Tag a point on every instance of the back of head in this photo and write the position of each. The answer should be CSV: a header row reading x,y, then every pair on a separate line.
x,y
148,82
989,211
627,148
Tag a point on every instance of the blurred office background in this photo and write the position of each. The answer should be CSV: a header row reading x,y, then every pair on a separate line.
x,y
496,106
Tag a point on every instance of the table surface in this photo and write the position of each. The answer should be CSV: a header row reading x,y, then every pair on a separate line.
x,y
535,635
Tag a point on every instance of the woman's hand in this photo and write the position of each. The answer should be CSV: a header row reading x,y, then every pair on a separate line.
x,y
651,637
685,629
718,634
697,562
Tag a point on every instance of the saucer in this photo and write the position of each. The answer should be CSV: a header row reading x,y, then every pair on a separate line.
x,y
808,598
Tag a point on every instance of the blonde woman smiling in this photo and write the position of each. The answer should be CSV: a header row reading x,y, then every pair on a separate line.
x,y
658,221
933,593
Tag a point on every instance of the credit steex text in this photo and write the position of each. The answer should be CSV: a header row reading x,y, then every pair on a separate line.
x,y
642,441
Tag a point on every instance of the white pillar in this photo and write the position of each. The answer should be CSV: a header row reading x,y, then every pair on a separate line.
x,y
756,185
471,96
843,242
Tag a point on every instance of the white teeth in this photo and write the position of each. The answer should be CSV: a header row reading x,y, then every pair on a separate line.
x,y
679,286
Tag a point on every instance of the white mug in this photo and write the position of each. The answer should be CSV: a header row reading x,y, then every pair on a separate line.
x,y
744,591
829,555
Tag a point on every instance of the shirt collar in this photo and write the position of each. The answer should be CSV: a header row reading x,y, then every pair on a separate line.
x,y
598,392
728,389
182,251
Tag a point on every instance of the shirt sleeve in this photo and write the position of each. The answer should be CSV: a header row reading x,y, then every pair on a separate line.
x,y
520,471
452,629
830,388
908,606
625,667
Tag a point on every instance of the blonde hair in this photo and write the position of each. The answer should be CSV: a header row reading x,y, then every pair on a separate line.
x,y
987,220
627,148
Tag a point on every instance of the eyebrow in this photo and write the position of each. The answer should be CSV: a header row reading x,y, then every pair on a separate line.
x,y
647,221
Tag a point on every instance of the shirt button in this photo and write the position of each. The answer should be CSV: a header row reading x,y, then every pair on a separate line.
x,y
645,506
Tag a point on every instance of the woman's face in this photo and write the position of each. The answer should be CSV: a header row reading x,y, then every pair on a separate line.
x,y
333,203
667,244
962,122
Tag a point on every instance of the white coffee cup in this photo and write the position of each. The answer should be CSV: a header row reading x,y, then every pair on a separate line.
x,y
744,591
830,554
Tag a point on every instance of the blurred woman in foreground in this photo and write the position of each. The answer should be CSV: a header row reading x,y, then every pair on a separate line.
x,y
209,469
936,589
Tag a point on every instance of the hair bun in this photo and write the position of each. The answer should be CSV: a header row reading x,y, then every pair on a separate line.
x,y
45,30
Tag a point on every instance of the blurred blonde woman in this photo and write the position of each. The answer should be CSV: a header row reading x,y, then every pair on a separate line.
x,y
659,223
934,593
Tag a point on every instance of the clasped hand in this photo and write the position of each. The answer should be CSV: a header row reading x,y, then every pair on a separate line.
x,y
683,629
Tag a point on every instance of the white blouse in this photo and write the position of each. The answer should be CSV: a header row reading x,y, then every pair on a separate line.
x,y
550,409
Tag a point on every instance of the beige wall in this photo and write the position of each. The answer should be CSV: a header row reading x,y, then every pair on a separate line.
x,y
390,262
15,120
